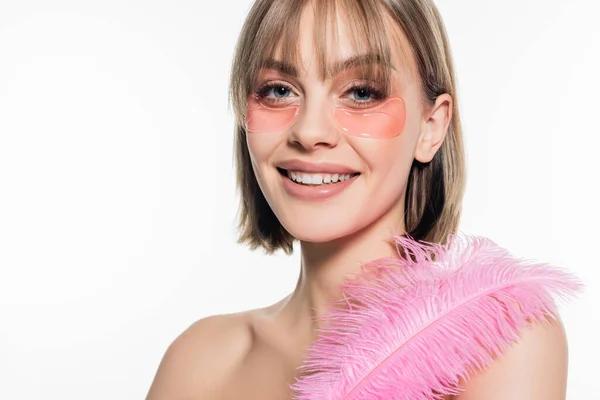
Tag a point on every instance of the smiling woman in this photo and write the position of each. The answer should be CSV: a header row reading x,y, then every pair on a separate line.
x,y
348,132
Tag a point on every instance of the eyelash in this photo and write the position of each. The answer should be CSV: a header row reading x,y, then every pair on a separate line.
x,y
375,93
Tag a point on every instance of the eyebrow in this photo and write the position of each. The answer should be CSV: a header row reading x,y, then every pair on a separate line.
x,y
338,67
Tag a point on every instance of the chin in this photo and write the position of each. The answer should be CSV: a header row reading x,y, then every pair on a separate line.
x,y
321,230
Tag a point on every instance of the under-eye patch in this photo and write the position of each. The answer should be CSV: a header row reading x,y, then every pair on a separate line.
x,y
261,117
384,120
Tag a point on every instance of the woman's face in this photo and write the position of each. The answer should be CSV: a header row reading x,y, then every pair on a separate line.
x,y
303,127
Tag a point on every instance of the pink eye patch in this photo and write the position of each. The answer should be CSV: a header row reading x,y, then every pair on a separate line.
x,y
382,121
263,118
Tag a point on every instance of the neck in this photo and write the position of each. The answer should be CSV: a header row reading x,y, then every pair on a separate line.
x,y
325,266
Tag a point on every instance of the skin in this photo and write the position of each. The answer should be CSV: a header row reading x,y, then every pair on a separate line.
x,y
254,354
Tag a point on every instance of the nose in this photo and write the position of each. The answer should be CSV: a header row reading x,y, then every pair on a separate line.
x,y
314,127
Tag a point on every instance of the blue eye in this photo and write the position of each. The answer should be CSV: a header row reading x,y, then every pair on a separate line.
x,y
367,95
363,91
367,91
279,91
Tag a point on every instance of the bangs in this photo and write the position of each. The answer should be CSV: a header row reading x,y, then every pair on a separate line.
x,y
369,28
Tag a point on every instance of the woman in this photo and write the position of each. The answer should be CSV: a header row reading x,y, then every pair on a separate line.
x,y
348,132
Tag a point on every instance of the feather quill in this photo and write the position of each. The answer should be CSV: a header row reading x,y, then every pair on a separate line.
x,y
411,327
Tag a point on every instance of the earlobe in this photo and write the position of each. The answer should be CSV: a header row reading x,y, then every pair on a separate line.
x,y
434,129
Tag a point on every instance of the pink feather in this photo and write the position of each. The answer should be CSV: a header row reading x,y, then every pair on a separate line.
x,y
410,327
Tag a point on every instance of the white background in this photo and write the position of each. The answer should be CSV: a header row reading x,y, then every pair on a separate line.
x,y
117,199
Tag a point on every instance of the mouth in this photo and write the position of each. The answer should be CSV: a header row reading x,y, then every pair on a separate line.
x,y
316,179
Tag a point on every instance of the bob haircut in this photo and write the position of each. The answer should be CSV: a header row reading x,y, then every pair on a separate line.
x,y
435,189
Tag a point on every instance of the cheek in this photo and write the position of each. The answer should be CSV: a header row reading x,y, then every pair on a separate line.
x,y
261,147
390,167
391,157
387,165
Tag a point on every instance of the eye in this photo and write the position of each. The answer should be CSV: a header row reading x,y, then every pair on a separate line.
x,y
280,92
362,93
367,95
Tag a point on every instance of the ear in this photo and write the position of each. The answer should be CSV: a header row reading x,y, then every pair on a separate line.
x,y
435,128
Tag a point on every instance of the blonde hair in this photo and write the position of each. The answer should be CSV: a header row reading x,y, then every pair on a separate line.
x,y
435,189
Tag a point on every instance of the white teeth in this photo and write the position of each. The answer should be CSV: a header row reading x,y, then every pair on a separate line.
x,y
317,179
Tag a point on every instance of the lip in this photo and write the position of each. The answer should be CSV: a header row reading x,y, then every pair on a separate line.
x,y
315,193
325,167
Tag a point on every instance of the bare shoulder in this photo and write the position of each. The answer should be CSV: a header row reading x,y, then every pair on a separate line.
x,y
199,360
534,367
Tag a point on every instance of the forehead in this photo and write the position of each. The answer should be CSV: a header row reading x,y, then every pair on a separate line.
x,y
332,40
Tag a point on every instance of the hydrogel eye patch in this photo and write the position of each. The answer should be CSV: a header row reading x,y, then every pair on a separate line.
x,y
263,118
382,121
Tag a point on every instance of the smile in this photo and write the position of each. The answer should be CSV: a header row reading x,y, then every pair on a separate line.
x,y
315,186
315,179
